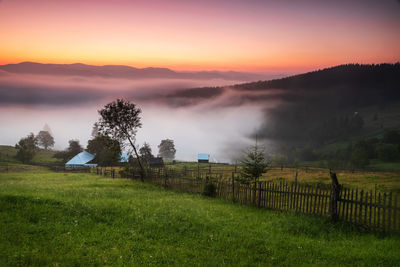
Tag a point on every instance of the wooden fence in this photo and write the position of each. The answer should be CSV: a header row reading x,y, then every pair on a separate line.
x,y
372,209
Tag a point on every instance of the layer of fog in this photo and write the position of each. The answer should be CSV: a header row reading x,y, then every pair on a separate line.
x,y
219,122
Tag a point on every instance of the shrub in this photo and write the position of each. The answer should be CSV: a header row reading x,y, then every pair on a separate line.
x,y
210,190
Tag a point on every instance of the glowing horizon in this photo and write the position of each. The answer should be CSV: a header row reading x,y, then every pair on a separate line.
x,y
255,36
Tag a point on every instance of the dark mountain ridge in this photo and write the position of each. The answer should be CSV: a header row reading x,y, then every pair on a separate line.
x,y
127,72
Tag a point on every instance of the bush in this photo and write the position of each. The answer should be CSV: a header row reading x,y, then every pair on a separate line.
x,y
26,148
210,190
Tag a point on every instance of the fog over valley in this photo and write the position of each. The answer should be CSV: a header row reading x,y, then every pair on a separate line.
x,y
200,120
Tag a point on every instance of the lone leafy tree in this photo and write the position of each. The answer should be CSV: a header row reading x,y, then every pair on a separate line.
x,y
166,149
120,120
145,152
45,139
26,148
254,164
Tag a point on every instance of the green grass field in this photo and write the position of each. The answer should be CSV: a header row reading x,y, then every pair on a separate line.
x,y
74,219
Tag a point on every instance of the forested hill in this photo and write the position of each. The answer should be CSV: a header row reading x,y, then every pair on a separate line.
x,y
382,79
329,103
349,74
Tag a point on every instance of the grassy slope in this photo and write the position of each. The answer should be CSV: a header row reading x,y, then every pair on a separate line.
x,y
7,155
82,219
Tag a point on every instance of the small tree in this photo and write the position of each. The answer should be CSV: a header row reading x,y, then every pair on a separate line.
x,y
107,150
254,164
62,155
45,139
74,148
120,120
145,152
166,149
26,148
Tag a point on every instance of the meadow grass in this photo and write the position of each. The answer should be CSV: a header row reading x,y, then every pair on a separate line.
x,y
366,180
75,219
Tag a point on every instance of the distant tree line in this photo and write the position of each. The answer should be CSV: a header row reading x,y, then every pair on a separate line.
x,y
360,153
357,154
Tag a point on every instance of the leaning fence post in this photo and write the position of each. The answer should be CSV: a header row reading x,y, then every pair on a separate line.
x,y
165,178
335,193
233,187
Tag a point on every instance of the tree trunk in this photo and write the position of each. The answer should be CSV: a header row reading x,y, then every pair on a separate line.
x,y
138,158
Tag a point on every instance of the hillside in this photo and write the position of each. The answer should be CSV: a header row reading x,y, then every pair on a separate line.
x,y
83,219
311,102
7,156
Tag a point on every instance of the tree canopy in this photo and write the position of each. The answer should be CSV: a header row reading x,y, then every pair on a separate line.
x,y
121,120
107,151
26,148
74,147
45,139
166,149
145,152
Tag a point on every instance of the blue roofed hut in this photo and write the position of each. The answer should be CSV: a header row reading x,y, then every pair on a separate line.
x,y
203,158
82,159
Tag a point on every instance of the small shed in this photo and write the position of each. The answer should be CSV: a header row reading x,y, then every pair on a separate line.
x,y
203,158
81,160
156,162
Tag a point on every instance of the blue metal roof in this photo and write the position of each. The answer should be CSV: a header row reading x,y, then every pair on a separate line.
x,y
203,156
124,157
80,159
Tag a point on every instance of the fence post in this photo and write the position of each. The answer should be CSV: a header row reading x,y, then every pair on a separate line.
x,y
335,193
165,178
233,187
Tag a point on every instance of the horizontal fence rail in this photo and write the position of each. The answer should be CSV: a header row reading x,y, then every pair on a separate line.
x,y
375,210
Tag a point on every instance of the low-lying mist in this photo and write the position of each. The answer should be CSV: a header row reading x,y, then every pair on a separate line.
x,y
210,120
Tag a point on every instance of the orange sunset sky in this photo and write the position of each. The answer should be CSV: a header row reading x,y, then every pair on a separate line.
x,y
201,35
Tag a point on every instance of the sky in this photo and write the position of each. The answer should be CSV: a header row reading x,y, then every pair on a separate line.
x,y
244,35
280,37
